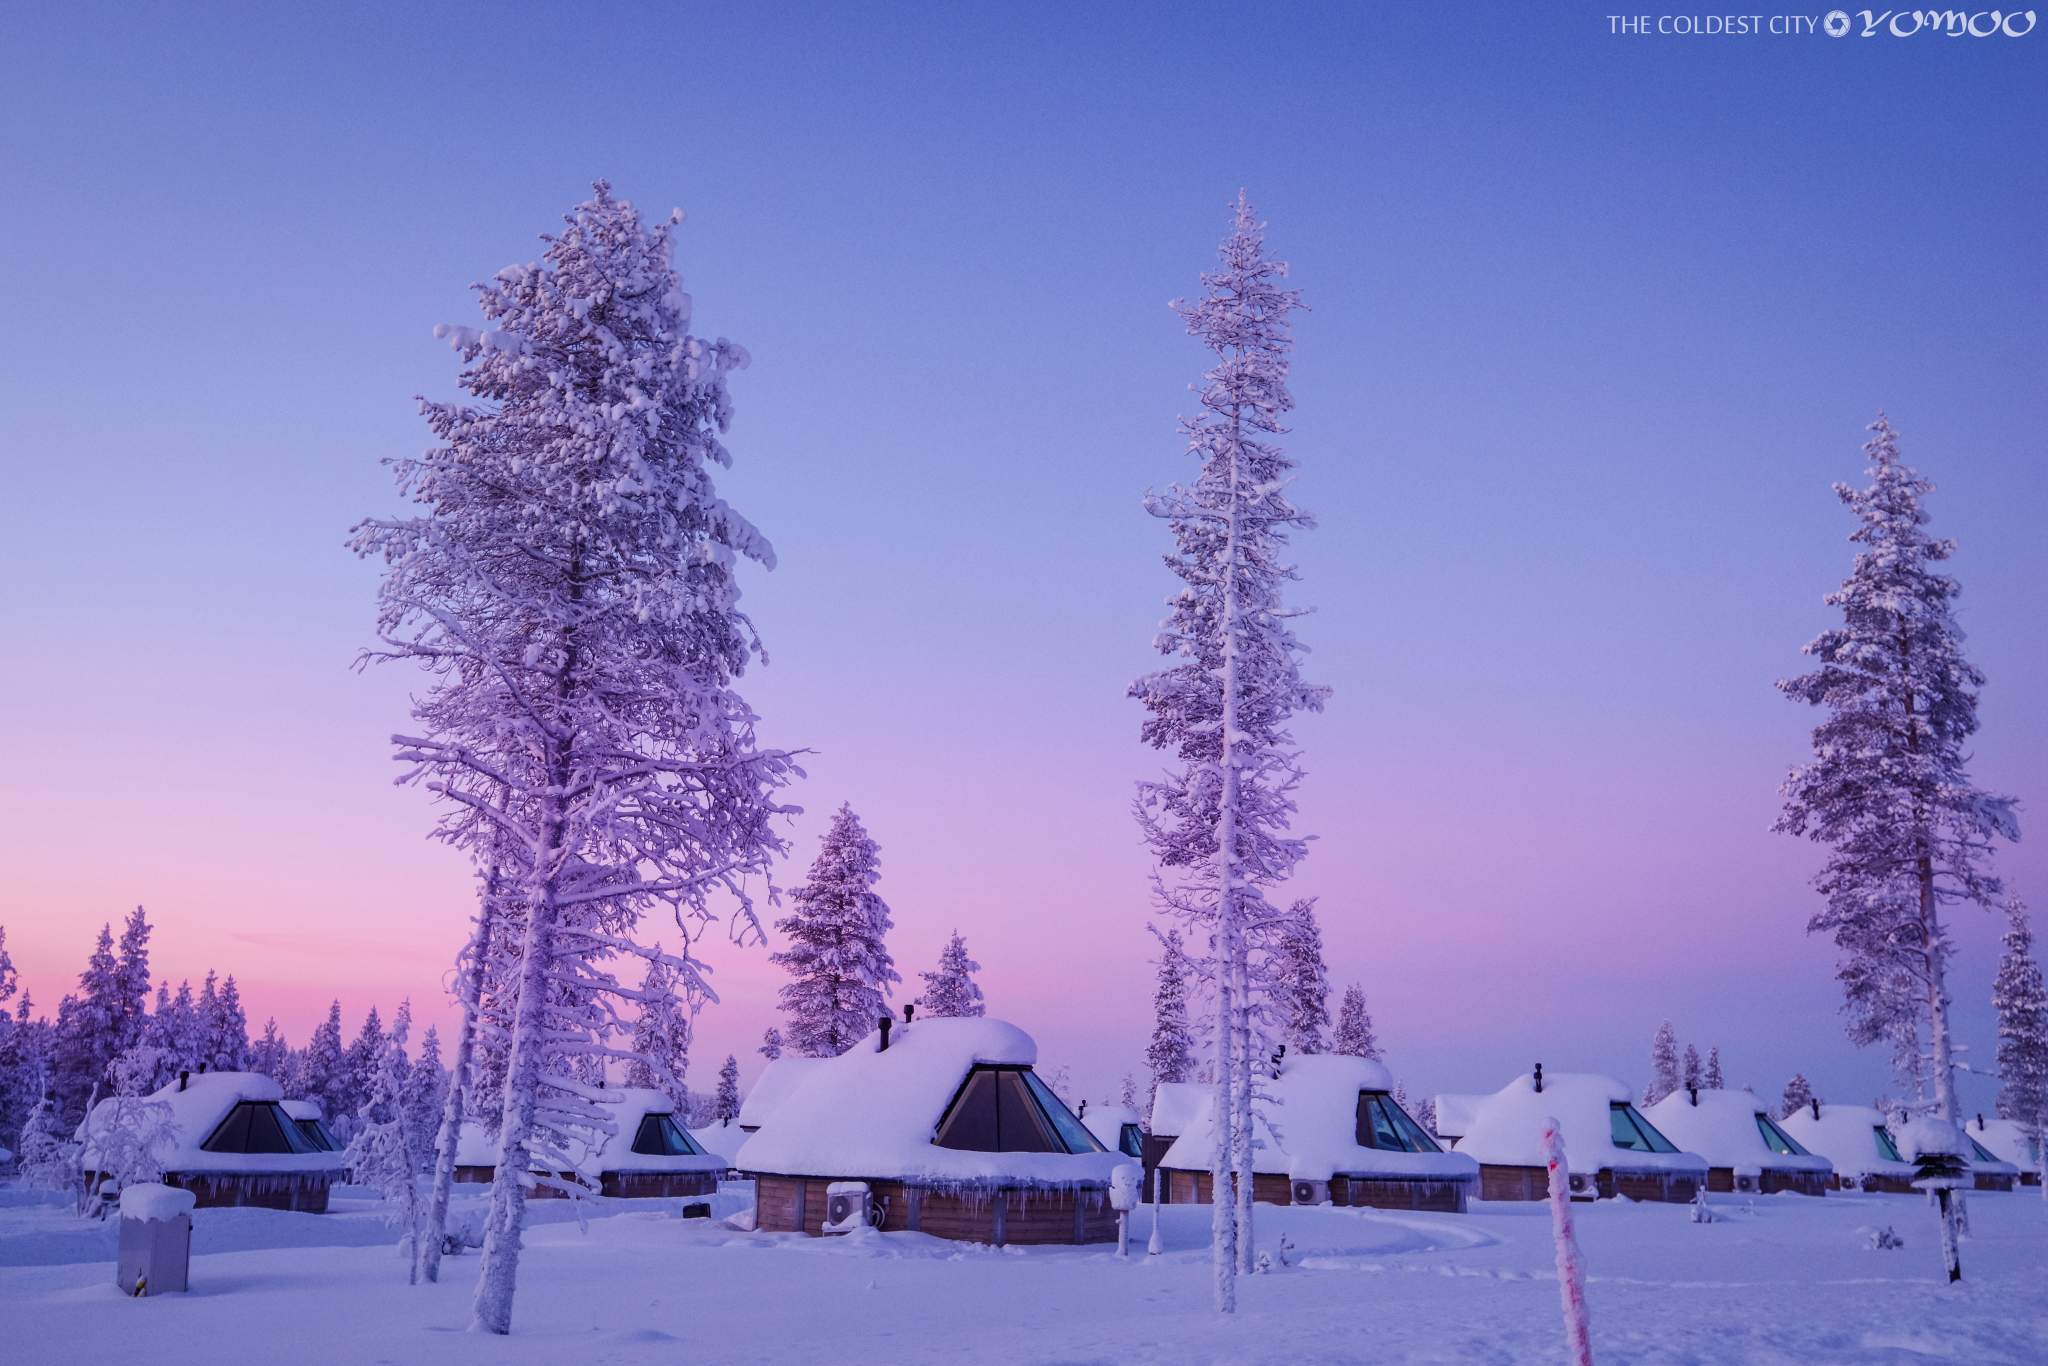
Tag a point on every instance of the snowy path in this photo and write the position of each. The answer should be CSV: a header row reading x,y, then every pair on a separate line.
x,y
1781,1279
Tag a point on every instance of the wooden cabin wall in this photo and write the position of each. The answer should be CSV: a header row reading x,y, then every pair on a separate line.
x,y
304,1192
1721,1181
1513,1183
656,1185
1436,1197
783,1204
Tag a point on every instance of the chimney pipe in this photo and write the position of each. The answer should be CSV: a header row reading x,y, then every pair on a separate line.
x,y
1816,1107
1539,1078
884,1022
1980,1121
183,1077
908,1006
1694,1092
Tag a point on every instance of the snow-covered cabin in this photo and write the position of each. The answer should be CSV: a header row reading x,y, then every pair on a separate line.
x,y
1332,1131
1744,1147
1993,1172
1116,1128
777,1082
1611,1149
953,1133
2006,1141
306,1114
230,1142
1856,1139
649,1157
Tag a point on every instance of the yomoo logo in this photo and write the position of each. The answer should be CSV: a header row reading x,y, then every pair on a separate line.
x,y
1951,23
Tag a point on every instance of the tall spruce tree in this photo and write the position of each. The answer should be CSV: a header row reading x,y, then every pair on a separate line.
x,y
1218,824
1889,791
951,991
1300,990
1355,1037
837,951
1712,1079
89,1028
1663,1065
727,1108
2022,1005
1798,1095
1691,1074
571,584
1171,1054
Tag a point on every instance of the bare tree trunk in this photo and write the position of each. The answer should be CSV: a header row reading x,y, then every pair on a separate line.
x,y
458,1087
1242,1124
1229,949
1955,1213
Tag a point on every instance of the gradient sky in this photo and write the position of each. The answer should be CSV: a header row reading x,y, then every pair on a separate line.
x,y
1597,320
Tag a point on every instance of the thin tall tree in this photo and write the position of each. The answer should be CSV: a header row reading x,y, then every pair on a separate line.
x,y
2022,1005
1218,824
837,950
1889,790
570,583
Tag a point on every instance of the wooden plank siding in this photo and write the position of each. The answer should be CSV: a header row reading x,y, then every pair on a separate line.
x,y
1438,1196
1721,1180
1193,1188
656,1185
787,1204
304,1192
1533,1183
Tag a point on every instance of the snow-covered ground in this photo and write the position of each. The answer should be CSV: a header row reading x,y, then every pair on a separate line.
x,y
1777,1279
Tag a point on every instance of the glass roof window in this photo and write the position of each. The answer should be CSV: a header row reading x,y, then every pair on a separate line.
x,y
316,1134
1978,1148
258,1126
1005,1109
1130,1141
1777,1140
1885,1147
1383,1124
661,1136
1633,1132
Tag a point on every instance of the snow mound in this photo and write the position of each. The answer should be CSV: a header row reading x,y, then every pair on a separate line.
x,y
777,1083
149,1200
1506,1128
1179,1106
1918,1138
869,1113
1847,1135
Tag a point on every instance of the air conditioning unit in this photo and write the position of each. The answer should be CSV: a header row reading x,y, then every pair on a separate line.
x,y
1584,1185
1748,1180
1311,1192
848,1205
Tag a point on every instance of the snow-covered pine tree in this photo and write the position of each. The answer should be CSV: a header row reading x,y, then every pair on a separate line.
x,y
360,1061
227,1029
131,983
322,1060
268,1055
1690,1072
571,583
2022,1005
836,952
1300,990
661,1034
425,1097
1663,1065
1798,1095
40,1160
771,1043
1354,1037
1889,791
387,1152
951,991
88,1028
1128,1095
729,1090
1218,825
1171,1054
1711,1078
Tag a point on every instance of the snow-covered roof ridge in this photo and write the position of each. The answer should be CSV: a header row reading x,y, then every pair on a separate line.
x,y
1721,1127
1506,1128
196,1111
1310,1127
625,1107
869,1113
1177,1106
778,1081
2005,1140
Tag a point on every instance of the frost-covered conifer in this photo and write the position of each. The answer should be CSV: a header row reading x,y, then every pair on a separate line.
x,y
351,1084
224,1027
771,1043
1128,1096
1300,989
387,1151
571,582
951,991
1663,1065
1712,1078
322,1060
1798,1095
2022,1005
1354,1027
836,952
426,1093
40,1159
1218,824
269,1055
88,1030
1690,1073
1171,1054
1888,791
728,1108
661,1034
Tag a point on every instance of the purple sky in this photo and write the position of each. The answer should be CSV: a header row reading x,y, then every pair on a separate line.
x,y
1597,320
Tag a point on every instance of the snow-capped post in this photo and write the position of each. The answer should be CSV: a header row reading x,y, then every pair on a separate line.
x,y
1571,1268
2022,1005
1126,1184
837,951
1889,789
1220,821
1937,1149
570,583
1157,1244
